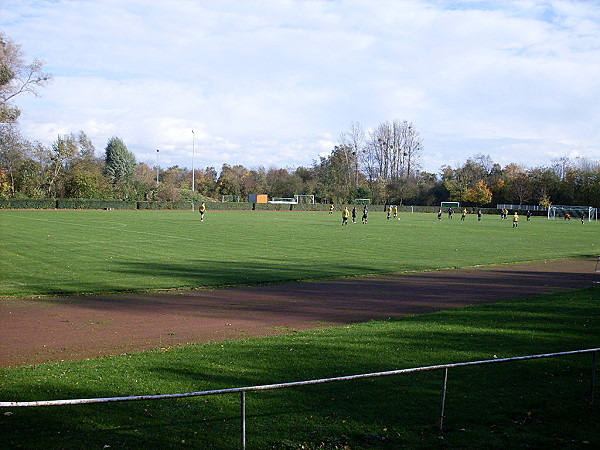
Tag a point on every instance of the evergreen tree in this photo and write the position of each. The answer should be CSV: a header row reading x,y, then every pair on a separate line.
x,y
120,162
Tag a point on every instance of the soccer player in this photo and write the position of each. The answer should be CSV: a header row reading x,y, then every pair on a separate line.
x,y
479,215
450,213
528,215
354,215
202,210
515,220
365,216
440,214
331,209
389,212
464,214
345,214
395,211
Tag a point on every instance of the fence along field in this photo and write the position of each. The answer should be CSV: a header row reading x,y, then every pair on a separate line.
x,y
70,252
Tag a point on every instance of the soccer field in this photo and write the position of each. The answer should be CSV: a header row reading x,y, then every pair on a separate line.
x,y
71,252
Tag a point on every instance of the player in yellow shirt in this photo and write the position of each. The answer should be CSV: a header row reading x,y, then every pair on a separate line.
x,y
515,220
202,210
395,211
345,215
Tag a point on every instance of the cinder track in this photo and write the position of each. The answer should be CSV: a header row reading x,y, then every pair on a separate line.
x,y
74,328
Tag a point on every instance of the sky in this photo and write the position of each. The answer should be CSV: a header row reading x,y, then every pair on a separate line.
x,y
274,83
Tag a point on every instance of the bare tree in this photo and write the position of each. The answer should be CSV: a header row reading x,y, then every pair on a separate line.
x,y
395,149
561,167
354,141
17,77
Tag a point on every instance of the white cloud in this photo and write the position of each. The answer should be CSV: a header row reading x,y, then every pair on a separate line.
x,y
275,82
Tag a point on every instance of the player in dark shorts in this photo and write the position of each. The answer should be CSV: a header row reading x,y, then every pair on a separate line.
x,y
345,214
365,216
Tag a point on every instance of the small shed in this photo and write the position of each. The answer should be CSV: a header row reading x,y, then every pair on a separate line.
x,y
258,198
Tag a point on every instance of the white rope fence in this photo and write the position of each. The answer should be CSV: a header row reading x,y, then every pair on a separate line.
x,y
243,390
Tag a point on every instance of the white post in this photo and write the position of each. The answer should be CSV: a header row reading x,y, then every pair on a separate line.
x,y
243,408
157,167
193,151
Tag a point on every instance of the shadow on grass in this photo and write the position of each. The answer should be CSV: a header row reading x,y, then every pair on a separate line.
x,y
538,403
345,300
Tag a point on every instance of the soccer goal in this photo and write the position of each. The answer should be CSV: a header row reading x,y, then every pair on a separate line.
x,y
305,199
449,204
568,212
362,201
230,198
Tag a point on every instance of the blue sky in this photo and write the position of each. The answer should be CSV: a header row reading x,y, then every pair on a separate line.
x,y
275,82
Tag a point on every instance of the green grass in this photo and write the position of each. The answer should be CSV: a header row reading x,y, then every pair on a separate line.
x,y
534,404
540,403
72,252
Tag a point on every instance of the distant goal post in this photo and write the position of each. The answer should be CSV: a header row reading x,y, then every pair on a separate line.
x,y
362,201
450,205
575,212
304,199
230,198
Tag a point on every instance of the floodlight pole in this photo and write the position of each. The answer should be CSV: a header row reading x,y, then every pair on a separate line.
x,y
157,167
193,152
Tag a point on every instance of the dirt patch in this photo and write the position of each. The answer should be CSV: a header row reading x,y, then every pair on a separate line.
x,y
73,328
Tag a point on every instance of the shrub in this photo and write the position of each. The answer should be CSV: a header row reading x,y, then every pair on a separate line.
x,y
27,203
77,203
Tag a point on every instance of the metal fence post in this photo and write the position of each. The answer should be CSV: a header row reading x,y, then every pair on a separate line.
x,y
593,382
243,407
444,388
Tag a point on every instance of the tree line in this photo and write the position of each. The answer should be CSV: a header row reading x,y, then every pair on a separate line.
x,y
381,163
69,168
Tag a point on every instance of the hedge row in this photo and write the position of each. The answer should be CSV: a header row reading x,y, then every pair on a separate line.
x,y
27,204
180,205
215,206
75,203
90,204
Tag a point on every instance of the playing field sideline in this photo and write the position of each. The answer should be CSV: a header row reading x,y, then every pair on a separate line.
x,y
74,328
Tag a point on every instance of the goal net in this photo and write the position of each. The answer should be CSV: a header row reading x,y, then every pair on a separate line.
x,y
449,204
568,212
230,198
305,198
362,201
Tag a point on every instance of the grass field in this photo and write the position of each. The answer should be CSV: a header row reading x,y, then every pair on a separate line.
x,y
534,404
537,404
71,252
